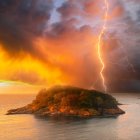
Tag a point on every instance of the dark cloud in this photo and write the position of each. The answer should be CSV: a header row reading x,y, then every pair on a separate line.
x,y
69,9
21,21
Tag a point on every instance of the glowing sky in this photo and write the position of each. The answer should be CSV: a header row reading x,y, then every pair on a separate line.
x,y
49,42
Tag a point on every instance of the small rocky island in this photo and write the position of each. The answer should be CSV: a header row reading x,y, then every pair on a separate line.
x,y
71,101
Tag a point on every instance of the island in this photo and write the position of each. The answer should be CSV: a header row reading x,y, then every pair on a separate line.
x,y
71,101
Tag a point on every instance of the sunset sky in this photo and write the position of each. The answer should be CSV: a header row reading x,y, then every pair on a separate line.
x,y
51,42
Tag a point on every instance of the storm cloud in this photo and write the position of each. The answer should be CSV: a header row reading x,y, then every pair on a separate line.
x,y
21,21
64,34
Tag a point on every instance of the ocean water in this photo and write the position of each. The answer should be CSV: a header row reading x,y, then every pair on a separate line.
x,y
29,127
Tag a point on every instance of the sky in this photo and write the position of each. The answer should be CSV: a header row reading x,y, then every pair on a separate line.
x,y
54,42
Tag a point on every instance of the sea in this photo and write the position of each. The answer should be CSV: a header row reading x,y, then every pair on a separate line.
x,y
30,127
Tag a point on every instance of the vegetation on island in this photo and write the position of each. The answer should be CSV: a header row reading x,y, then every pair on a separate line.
x,y
71,101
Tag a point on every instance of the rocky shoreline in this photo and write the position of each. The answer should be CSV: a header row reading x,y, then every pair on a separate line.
x,y
70,101
73,113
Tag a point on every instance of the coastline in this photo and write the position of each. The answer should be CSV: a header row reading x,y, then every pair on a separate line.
x,y
71,101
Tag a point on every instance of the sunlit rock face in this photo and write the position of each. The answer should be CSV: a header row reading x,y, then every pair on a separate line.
x,y
70,101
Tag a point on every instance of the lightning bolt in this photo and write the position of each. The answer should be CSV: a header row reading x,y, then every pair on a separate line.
x,y
99,45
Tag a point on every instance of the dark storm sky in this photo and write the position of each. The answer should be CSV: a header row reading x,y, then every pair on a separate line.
x,y
71,27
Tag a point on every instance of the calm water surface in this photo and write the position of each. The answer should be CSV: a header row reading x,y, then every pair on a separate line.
x,y
29,127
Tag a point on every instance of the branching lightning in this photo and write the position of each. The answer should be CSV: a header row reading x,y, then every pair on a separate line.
x,y
99,44
127,57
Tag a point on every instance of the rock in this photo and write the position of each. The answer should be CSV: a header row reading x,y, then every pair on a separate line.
x,y
70,101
